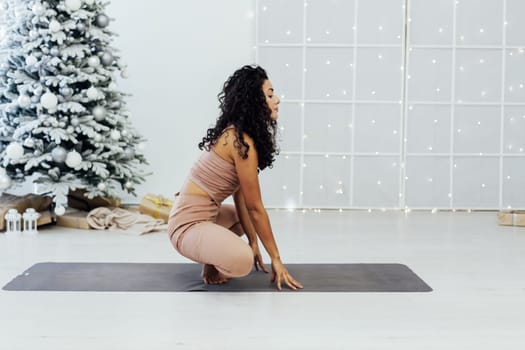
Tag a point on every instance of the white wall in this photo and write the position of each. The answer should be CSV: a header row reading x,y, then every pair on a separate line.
x,y
179,53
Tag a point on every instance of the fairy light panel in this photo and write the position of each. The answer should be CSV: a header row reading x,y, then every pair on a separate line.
x,y
396,103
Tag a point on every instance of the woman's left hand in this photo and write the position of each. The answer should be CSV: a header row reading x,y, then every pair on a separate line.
x,y
257,258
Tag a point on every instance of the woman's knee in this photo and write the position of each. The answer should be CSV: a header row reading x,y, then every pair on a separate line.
x,y
243,262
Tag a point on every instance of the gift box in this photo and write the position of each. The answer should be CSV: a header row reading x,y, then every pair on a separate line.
x,y
511,218
74,218
76,199
21,203
157,206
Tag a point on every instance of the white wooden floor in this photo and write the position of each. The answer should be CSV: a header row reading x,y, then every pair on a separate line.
x,y
476,268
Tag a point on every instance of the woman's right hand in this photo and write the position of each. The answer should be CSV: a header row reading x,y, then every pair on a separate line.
x,y
281,274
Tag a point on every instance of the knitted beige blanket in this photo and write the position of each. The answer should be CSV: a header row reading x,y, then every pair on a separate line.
x,y
127,221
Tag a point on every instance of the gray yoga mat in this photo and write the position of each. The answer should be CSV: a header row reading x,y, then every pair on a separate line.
x,y
152,277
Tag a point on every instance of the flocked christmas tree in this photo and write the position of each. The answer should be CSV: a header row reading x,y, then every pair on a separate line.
x,y
63,121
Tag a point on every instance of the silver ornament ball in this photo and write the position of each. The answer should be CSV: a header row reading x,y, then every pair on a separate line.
x,y
49,100
74,121
81,27
93,61
99,113
24,101
73,159
14,151
60,210
106,58
55,26
66,91
54,51
102,21
59,154
92,93
115,135
73,5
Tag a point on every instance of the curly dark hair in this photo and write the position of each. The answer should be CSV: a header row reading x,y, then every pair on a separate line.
x,y
243,105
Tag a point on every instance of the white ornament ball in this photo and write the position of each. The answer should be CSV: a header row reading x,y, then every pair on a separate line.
x,y
60,210
115,135
99,113
92,93
54,26
124,133
49,100
98,138
14,151
129,184
94,61
89,2
73,5
101,186
124,73
24,101
5,182
59,154
31,60
112,86
73,159
38,9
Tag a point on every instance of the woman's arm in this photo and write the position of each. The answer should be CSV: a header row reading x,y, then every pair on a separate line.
x,y
244,217
249,229
250,189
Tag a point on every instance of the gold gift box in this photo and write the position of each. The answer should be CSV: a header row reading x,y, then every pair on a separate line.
x,y
511,218
74,219
157,206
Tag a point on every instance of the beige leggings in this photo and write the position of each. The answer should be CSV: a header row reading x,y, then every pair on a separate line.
x,y
207,233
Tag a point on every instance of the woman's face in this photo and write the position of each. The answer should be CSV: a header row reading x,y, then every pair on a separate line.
x,y
271,99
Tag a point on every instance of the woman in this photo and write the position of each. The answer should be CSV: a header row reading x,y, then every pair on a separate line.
x,y
241,143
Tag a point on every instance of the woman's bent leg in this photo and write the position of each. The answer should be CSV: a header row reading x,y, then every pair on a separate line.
x,y
229,219
212,244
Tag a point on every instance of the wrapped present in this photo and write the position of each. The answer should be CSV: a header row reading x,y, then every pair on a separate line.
x,y
511,218
74,218
157,206
21,203
45,218
76,199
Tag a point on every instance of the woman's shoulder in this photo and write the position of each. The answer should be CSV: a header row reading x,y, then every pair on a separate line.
x,y
247,138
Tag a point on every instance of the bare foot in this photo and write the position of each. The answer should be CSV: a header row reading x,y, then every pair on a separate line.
x,y
210,275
